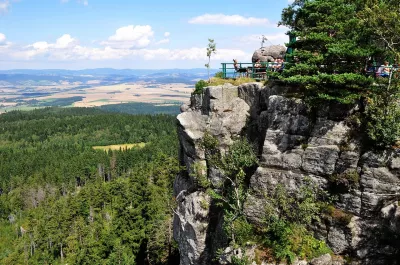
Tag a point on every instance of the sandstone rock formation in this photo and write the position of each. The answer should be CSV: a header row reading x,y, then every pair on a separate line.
x,y
293,145
268,54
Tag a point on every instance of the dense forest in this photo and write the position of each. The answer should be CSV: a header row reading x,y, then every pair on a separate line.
x,y
63,202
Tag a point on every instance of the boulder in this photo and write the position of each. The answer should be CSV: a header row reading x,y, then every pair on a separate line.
x,y
268,54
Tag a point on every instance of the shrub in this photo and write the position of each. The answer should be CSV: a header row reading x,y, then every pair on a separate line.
x,y
240,261
199,174
288,215
209,141
199,86
383,120
219,74
338,215
243,231
346,180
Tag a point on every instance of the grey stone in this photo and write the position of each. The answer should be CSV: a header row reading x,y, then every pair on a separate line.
x,y
322,260
184,108
337,240
196,101
348,161
395,163
190,226
268,54
250,93
292,148
327,132
320,160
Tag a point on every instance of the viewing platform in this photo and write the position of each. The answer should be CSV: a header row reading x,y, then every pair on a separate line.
x,y
263,71
252,70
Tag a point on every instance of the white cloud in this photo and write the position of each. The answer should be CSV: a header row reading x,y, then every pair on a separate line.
x,y
117,47
64,41
2,38
167,34
163,41
130,37
290,1
237,20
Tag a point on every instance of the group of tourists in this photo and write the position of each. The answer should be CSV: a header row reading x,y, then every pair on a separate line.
x,y
276,66
382,71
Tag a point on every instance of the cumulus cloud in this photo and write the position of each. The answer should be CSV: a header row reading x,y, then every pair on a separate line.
x,y
65,41
2,38
167,34
130,37
236,20
117,47
163,41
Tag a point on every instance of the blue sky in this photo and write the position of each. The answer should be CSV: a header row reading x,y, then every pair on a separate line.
x,y
78,34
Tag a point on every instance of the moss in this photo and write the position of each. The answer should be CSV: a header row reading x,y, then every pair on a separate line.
x,y
263,254
204,204
198,172
215,81
209,141
345,181
338,215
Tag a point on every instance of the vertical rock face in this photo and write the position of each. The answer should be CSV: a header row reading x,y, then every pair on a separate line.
x,y
293,146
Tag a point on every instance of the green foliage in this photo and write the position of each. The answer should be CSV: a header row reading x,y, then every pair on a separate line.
x,y
143,108
219,74
199,87
335,41
240,261
347,180
243,231
217,81
331,51
199,174
209,141
63,202
288,215
337,215
382,118
239,157
232,194
382,18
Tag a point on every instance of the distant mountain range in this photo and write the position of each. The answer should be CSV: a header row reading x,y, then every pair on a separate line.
x,y
51,77
108,71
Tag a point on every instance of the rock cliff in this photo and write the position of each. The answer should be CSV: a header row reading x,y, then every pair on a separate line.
x,y
293,144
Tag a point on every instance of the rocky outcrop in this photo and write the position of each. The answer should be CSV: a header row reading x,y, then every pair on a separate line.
x,y
268,54
293,145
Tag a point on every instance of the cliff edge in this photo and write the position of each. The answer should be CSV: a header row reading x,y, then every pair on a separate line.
x,y
293,144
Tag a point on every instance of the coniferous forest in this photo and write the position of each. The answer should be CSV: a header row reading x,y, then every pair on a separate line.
x,y
63,202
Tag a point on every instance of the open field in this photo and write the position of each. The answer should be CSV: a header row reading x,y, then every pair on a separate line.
x,y
119,146
92,96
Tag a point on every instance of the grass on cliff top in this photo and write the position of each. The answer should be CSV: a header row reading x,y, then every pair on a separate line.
x,y
216,81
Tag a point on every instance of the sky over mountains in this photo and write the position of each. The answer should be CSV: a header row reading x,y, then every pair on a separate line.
x,y
78,34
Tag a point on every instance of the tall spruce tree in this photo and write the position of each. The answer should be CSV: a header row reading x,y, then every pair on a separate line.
x,y
332,49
